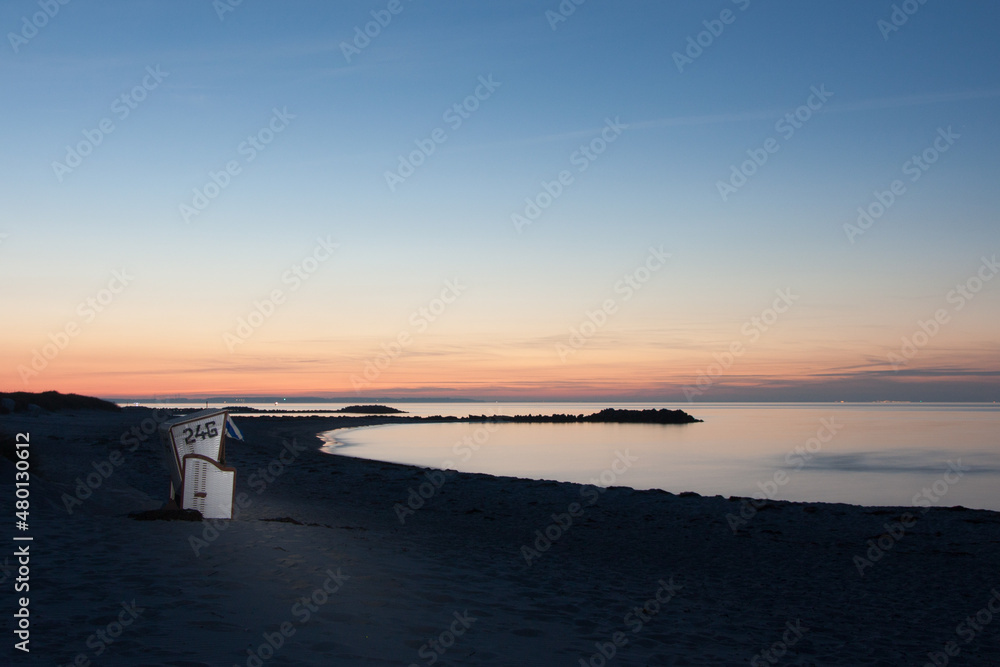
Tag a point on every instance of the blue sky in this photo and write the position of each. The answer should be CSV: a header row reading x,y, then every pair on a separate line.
x,y
655,185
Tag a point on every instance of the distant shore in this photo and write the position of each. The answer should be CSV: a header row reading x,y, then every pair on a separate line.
x,y
358,562
605,416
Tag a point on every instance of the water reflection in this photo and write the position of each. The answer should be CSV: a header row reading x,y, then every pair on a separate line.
x,y
877,455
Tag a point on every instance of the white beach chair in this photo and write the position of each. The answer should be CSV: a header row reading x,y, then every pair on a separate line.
x,y
200,436
208,487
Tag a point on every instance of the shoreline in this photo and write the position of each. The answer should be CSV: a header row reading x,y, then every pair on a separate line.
x,y
545,573
451,460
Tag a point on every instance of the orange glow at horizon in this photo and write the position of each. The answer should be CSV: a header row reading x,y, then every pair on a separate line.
x,y
447,370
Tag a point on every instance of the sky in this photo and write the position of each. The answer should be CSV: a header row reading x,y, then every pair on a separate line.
x,y
688,201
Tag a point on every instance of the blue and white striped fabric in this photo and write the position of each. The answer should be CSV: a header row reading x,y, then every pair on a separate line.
x,y
232,431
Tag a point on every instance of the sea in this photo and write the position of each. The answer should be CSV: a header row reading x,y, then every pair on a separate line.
x,y
884,454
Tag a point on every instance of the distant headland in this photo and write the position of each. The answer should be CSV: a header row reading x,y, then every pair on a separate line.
x,y
350,409
606,416
53,401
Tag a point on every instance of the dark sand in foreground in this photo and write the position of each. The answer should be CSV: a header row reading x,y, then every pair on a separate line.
x,y
352,585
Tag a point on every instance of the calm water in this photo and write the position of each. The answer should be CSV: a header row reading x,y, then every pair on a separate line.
x,y
869,454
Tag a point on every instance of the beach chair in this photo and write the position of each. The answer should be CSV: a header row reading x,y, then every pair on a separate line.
x,y
208,487
195,444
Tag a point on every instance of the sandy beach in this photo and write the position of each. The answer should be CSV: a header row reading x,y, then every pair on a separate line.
x,y
334,560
